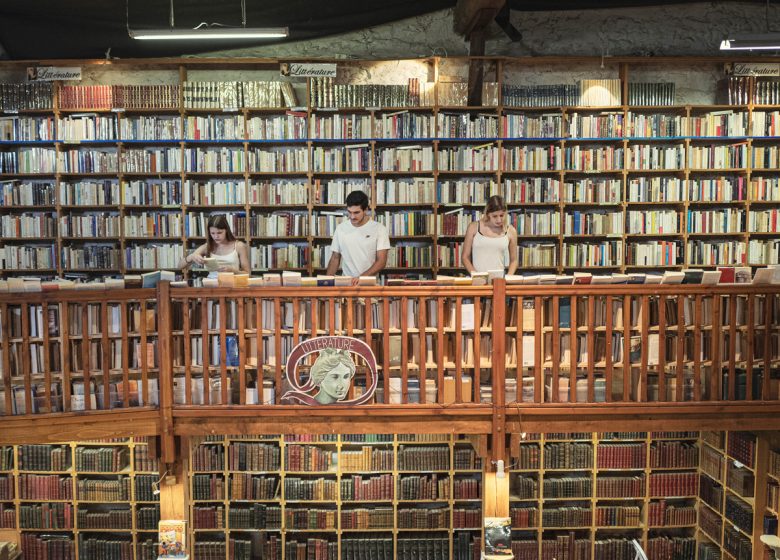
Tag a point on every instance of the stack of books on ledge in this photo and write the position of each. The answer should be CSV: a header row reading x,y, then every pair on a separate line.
x,y
722,275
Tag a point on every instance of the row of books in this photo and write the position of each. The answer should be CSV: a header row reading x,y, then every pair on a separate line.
x,y
421,190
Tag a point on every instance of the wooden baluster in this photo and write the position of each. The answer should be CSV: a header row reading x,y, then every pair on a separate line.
x,y
242,353
421,329
518,348
750,349
498,356
206,350
475,385
765,389
662,299
717,333
626,349
367,335
185,310
459,349
278,342
591,348
46,362
608,355
440,323
332,318
732,393
681,329
556,347
7,360
644,337
24,357
403,316
697,313
143,352
86,366
124,326
349,303
223,351
386,348
259,338
65,336
538,335
105,356
573,343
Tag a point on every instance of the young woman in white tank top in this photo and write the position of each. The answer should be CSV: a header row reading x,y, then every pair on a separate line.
x,y
490,244
231,254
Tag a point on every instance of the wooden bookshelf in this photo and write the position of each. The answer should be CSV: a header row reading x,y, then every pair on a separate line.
x,y
102,498
604,487
733,494
361,486
693,177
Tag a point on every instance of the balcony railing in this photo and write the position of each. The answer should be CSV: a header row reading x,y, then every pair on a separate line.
x,y
439,349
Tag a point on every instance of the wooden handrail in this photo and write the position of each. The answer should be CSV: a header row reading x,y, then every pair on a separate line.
x,y
689,343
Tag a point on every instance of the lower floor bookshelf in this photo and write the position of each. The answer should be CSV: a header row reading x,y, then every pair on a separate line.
x,y
578,496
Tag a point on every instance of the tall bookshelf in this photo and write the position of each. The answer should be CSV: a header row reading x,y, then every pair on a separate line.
x,y
104,182
733,495
340,496
81,499
587,495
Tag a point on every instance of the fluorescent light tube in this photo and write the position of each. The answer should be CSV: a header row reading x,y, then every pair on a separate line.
x,y
755,42
236,33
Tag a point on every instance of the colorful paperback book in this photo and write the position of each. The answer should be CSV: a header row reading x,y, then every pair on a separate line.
x,y
172,538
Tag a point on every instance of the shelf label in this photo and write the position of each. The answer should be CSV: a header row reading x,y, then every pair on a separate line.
x,y
307,69
53,73
117,109
753,69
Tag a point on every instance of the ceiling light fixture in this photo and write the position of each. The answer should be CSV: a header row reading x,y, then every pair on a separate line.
x,y
754,42
206,31
209,33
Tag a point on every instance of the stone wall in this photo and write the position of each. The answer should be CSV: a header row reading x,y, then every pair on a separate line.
x,y
687,29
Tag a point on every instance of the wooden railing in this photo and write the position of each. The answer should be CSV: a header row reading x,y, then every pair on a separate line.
x,y
493,350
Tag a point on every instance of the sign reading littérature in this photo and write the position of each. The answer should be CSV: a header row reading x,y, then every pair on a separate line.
x,y
754,69
330,376
53,73
308,69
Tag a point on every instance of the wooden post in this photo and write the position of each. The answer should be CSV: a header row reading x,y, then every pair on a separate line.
x,y
167,443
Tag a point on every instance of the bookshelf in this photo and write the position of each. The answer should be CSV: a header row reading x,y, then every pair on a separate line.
x,y
619,174
589,494
336,496
80,499
733,495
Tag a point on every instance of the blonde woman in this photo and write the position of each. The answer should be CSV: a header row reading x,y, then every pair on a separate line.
x,y
490,244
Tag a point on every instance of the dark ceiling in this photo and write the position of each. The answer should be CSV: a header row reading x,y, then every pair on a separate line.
x,y
57,29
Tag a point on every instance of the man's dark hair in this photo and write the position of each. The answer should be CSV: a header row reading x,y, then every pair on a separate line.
x,y
357,198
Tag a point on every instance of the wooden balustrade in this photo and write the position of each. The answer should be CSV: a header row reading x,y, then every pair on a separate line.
x,y
490,348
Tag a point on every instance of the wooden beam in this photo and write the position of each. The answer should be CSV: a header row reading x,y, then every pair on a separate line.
x,y
644,417
79,426
475,14
454,419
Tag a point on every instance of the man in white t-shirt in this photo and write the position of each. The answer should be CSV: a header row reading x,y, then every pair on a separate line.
x,y
360,244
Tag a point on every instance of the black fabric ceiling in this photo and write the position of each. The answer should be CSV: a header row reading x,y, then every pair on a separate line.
x,y
43,29
52,29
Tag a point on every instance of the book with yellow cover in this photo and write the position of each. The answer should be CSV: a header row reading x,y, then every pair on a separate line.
x,y
172,536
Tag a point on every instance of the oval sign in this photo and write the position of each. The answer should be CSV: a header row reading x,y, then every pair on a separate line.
x,y
331,374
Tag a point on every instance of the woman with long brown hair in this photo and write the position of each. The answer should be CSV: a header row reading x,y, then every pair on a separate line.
x,y
221,244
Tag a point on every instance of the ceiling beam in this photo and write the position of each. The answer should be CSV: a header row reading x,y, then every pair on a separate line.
x,y
471,19
471,15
